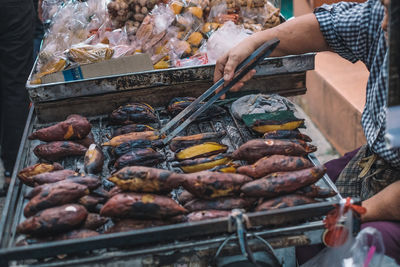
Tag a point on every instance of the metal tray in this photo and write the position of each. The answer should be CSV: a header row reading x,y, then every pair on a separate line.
x,y
279,223
166,78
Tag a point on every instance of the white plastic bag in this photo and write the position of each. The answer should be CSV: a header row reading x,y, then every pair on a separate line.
x,y
224,39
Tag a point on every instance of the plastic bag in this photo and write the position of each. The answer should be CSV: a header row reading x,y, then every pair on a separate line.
x,y
367,249
224,39
49,8
85,54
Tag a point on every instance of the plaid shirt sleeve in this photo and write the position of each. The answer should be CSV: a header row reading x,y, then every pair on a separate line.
x,y
349,28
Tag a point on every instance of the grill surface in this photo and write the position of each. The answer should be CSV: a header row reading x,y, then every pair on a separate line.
x,y
237,133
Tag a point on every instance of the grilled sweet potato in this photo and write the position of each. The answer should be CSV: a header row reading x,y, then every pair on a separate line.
x,y
280,183
264,126
93,160
120,139
308,147
224,203
255,149
132,128
132,224
208,185
52,195
26,174
145,179
206,215
124,148
52,177
201,164
133,113
314,191
287,134
90,202
274,163
139,157
54,220
284,202
184,197
94,221
87,141
227,168
57,150
201,151
91,181
74,127
141,206
182,142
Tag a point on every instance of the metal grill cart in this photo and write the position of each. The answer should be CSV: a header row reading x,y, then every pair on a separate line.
x,y
192,243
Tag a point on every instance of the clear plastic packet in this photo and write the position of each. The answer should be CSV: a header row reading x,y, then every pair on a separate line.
x,y
343,249
85,54
224,39
196,60
49,8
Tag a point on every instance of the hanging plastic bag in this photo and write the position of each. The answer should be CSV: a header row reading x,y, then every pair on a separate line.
x,y
343,250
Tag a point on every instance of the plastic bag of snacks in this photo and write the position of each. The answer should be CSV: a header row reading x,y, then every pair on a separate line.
x,y
85,54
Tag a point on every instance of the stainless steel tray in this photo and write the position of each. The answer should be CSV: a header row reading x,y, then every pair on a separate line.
x,y
166,78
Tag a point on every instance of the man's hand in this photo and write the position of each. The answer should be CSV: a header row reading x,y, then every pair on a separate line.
x,y
297,36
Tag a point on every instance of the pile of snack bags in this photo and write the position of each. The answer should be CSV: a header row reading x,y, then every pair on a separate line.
x,y
174,33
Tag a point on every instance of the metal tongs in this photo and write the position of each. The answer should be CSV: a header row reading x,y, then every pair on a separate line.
x,y
248,64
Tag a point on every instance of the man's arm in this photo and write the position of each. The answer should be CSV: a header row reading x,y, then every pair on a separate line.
x,y
297,36
383,206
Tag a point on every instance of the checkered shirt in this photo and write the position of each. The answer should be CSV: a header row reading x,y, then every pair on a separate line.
x,y
354,31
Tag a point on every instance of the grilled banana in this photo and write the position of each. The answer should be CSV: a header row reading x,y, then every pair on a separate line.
x,y
132,128
124,148
133,113
202,150
201,164
287,134
268,126
139,157
228,168
180,103
120,139
94,159
182,142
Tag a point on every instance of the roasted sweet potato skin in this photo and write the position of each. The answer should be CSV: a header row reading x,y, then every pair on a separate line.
x,y
184,197
209,185
178,104
57,150
74,127
274,163
87,141
52,195
280,183
287,134
146,179
26,174
139,157
93,160
182,142
206,215
314,191
255,149
91,202
52,177
124,138
91,181
94,221
224,203
284,202
141,206
54,220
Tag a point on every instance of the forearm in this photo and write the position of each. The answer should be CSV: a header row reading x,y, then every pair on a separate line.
x,y
383,206
297,36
